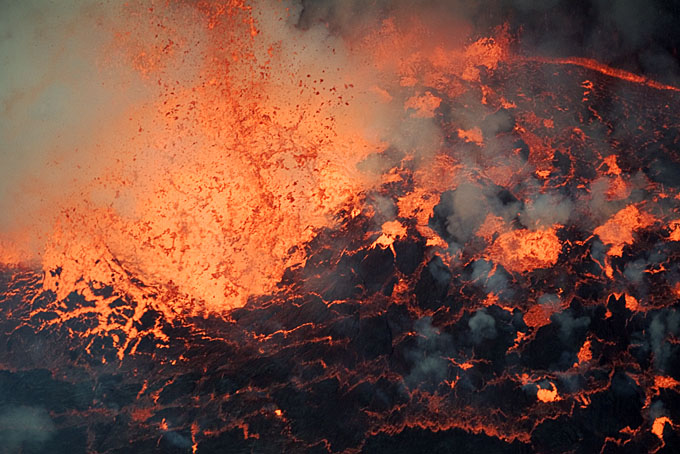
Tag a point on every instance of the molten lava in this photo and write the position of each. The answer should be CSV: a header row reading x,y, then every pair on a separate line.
x,y
525,250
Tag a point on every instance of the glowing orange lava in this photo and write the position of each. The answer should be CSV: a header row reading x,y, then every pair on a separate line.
x,y
659,424
585,354
618,230
675,230
548,395
527,250
244,148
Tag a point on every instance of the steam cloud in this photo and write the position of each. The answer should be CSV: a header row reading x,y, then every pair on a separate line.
x,y
55,101
482,326
429,358
24,427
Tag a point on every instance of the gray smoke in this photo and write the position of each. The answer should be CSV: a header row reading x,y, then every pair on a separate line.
x,y
55,101
429,359
664,323
569,324
24,428
484,274
544,210
482,326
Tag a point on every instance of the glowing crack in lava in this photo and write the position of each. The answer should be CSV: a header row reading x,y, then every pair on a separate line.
x,y
338,227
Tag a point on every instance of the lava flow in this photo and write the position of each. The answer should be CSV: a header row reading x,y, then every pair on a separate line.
x,y
335,227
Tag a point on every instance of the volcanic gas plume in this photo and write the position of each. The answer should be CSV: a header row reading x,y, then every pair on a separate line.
x,y
340,226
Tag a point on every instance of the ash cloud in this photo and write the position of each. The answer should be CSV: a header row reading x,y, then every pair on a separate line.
x,y
657,409
468,208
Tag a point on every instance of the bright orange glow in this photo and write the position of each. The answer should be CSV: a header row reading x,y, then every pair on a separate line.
x,y
527,250
486,52
674,227
245,144
223,173
619,189
661,381
16,250
491,226
612,166
473,135
658,426
419,53
538,315
618,230
390,232
548,395
632,303
431,180
585,354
